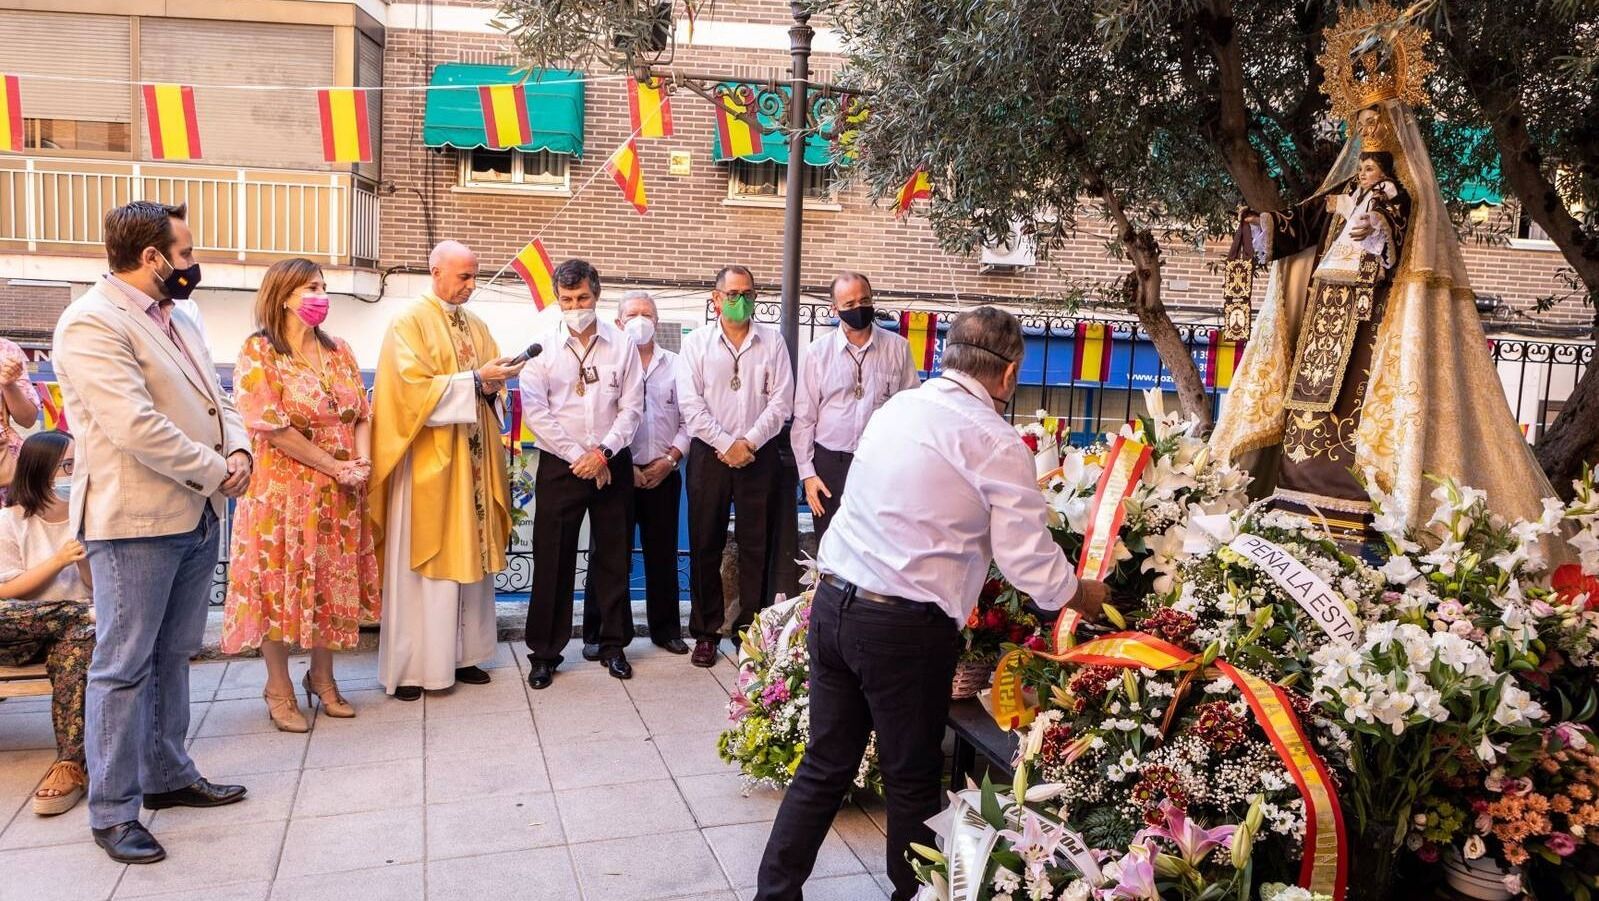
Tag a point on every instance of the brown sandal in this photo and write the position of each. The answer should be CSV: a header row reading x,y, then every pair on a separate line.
x,y
60,789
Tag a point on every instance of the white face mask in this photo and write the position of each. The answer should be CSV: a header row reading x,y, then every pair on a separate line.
x,y
578,320
63,488
641,329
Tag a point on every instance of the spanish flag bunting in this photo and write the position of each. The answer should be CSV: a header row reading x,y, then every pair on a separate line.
x,y
916,187
1093,352
921,330
533,264
55,413
505,122
1222,361
346,133
650,107
174,128
10,114
739,138
624,168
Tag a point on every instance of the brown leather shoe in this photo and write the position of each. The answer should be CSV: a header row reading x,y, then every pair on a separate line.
x,y
704,653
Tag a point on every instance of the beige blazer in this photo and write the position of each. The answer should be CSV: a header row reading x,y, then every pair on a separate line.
x,y
152,434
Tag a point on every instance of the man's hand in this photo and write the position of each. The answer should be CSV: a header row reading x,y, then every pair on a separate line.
x,y
815,490
10,371
740,455
639,479
604,478
657,470
590,464
495,373
1090,598
238,480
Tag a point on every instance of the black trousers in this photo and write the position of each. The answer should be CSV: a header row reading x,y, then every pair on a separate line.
x,y
563,499
872,666
655,512
832,467
714,489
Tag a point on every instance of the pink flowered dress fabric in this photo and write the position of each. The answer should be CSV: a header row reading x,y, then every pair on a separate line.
x,y
303,569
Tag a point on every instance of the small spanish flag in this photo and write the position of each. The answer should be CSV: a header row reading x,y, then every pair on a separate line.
x,y
505,122
174,128
1093,352
346,134
55,413
739,138
916,187
533,264
1222,360
650,107
921,330
624,168
10,114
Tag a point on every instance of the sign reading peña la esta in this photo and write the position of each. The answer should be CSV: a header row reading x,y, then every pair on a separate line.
x,y
1305,587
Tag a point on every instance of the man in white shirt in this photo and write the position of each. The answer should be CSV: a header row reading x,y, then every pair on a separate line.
x,y
659,446
845,376
583,399
736,390
902,568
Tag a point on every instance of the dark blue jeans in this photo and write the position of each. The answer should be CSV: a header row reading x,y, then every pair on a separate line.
x,y
150,598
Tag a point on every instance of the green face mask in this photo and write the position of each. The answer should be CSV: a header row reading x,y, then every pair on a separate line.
x,y
736,308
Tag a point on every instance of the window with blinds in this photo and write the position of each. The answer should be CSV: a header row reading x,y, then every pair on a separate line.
x,y
369,74
87,105
268,129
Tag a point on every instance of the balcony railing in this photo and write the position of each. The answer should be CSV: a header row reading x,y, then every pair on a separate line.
x,y
58,205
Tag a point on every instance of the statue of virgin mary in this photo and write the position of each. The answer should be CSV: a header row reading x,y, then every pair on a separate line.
x,y
1368,356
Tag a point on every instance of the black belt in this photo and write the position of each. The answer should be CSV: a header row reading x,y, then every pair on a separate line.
x,y
861,594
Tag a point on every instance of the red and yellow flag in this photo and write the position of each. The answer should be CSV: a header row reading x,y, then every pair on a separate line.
x,y
505,122
921,330
629,176
533,264
916,187
739,138
1093,352
1124,466
55,412
346,133
1222,361
10,114
174,128
650,107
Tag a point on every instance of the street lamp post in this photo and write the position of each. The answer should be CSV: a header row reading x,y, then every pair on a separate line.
x,y
794,206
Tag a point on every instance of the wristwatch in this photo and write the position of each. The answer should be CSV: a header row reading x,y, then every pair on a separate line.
x,y
606,452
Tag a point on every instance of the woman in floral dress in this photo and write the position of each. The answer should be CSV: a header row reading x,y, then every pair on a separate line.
x,y
303,571
19,404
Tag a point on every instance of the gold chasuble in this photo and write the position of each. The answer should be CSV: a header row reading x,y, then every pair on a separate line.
x,y
460,495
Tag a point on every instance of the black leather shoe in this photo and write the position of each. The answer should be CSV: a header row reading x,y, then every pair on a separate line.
x,y
129,842
408,693
200,794
471,675
673,646
619,667
704,653
591,652
540,673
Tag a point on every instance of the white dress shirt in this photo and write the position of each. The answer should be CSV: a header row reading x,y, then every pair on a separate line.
x,y
568,424
662,426
716,412
941,485
826,410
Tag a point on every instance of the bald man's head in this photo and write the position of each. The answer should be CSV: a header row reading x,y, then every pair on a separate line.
x,y
453,266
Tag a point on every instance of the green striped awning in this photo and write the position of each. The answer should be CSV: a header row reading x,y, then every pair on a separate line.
x,y
454,117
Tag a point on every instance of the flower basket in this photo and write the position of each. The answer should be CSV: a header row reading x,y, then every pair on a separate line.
x,y
1481,878
971,677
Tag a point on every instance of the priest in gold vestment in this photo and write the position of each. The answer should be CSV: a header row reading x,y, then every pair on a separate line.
x,y
440,498
1368,356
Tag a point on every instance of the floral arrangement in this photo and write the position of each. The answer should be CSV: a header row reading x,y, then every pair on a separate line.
x,y
999,619
770,708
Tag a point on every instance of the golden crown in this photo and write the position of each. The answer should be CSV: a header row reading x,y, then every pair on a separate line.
x,y
1369,59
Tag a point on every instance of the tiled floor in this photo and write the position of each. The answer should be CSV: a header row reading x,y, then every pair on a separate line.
x,y
591,789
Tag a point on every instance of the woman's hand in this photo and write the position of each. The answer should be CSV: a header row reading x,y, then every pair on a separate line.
x,y
70,553
352,474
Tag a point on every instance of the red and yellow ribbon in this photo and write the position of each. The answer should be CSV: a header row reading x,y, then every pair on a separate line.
x,y
1124,463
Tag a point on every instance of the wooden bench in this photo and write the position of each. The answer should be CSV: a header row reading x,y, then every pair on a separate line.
x,y
976,733
23,681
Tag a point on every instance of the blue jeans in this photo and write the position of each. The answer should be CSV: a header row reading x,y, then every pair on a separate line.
x,y
150,599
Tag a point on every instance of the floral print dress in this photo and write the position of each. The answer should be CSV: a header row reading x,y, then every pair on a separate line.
x,y
303,569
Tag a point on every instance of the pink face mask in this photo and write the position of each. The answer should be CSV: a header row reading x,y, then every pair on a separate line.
x,y
313,309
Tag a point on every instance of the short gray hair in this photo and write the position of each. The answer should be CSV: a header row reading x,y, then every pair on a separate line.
x,y
983,342
647,297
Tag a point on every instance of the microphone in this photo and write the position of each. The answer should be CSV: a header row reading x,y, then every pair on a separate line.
x,y
532,351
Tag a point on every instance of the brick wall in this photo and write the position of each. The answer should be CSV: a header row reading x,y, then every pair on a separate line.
x,y
690,231
31,310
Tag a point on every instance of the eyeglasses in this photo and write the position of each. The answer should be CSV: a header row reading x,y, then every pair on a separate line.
x,y
65,466
749,295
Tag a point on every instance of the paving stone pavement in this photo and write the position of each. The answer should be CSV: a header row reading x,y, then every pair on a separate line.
x,y
591,789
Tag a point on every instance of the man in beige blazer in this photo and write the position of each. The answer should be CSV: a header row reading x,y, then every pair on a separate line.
x,y
160,448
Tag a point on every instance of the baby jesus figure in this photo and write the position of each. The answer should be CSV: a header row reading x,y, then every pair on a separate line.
x,y
1368,215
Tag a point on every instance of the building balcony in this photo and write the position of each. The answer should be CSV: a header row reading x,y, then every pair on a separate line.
x,y
51,205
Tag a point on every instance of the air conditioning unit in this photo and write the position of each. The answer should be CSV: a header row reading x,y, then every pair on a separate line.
x,y
669,335
1014,255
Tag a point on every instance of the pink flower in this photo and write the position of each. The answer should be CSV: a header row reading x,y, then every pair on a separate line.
x,y
1518,785
1135,876
1193,841
1428,853
1561,844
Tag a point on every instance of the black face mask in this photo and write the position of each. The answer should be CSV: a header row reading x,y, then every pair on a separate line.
x,y
180,283
859,317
